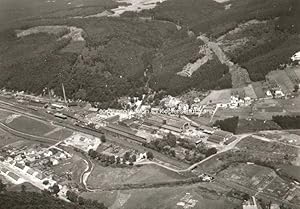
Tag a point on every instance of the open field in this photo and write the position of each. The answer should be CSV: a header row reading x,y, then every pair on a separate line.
x,y
242,112
249,175
108,176
6,138
291,105
208,196
218,96
74,166
60,134
282,80
258,89
292,170
254,125
30,126
4,115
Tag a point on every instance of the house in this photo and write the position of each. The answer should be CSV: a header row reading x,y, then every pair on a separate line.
x,y
279,94
40,176
269,94
4,170
250,204
30,171
14,177
296,57
20,166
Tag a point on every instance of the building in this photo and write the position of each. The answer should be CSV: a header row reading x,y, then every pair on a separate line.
x,y
206,129
60,115
250,204
112,119
15,178
170,123
122,132
219,136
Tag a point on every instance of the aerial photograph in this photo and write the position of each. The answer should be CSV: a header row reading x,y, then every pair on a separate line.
x,y
149,104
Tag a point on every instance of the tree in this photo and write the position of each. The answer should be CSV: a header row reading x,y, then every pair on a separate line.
x,y
72,196
149,155
92,153
80,94
112,159
103,138
2,186
211,151
80,200
296,88
55,189
45,182
126,156
118,160
23,188
228,124
171,139
133,158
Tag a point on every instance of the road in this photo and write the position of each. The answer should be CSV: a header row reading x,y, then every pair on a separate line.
x,y
227,148
88,170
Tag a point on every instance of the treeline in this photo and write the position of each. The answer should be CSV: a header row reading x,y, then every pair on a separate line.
x,y
210,17
228,124
169,144
212,75
287,122
111,65
33,200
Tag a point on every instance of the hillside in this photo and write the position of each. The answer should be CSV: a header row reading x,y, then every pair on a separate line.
x,y
116,52
32,200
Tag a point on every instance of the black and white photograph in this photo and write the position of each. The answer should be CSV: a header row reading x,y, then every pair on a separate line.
x,y
149,104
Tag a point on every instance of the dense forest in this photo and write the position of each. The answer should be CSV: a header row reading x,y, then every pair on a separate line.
x,y
32,200
287,122
228,124
118,52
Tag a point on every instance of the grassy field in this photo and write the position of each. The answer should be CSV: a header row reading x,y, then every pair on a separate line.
x,y
75,166
282,80
208,196
6,138
30,126
4,115
60,134
292,170
252,176
258,88
220,96
107,176
254,125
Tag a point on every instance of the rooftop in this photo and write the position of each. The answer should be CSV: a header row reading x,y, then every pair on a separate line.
x,y
13,176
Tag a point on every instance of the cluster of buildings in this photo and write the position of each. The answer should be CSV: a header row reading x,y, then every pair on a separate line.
x,y
31,164
83,142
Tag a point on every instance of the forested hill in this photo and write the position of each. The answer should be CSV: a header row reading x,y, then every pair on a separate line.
x,y
113,59
32,200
